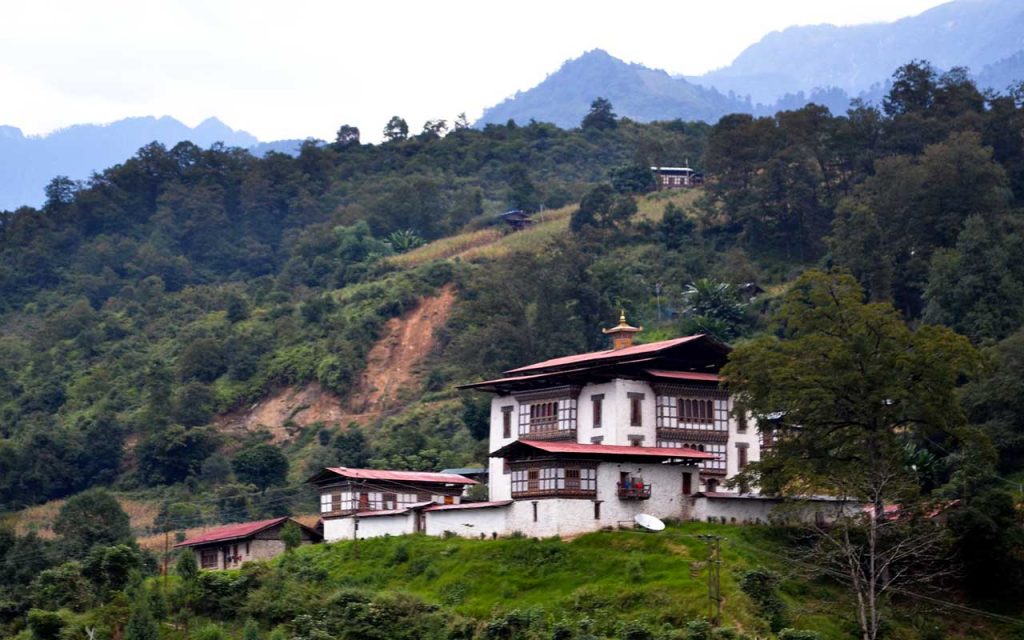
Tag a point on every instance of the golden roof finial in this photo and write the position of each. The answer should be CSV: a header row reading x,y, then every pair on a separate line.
x,y
622,318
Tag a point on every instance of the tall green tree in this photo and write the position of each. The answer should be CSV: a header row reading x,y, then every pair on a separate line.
x,y
92,518
600,117
141,624
262,465
978,287
714,307
396,129
859,398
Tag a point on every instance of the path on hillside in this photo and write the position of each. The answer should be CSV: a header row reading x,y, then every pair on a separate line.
x,y
392,371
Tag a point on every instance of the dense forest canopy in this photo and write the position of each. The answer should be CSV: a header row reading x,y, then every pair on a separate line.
x,y
184,283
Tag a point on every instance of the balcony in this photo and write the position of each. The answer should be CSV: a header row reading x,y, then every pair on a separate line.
x,y
689,434
631,490
549,430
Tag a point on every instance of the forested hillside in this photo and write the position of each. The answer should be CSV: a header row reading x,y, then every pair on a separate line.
x,y
144,311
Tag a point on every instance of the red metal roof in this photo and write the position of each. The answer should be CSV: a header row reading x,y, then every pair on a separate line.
x,y
684,375
559,446
401,476
635,350
468,505
538,376
231,532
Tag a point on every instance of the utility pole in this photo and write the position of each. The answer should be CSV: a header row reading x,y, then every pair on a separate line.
x,y
167,536
714,563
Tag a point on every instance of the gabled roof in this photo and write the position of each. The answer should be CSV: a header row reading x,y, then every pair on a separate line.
x,y
467,471
394,476
695,376
240,531
676,355
610,354
610,451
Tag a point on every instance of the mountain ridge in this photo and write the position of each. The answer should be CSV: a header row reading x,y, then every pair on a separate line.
x,y
786,69
29,162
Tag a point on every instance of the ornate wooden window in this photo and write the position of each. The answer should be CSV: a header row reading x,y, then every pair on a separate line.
x,y
695,410
548,414
544,415
716,466
553,478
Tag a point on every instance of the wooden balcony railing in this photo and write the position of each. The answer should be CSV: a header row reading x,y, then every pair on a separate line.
x,y
549,432
633,491
698,435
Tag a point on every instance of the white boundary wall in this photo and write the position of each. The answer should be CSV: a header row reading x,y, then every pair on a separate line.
x,y
469,523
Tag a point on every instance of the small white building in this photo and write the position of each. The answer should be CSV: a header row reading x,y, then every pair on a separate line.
x,y
354,502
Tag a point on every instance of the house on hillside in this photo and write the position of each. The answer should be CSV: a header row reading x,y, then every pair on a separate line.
x,y
591,440
228,547
352,501
517,220
585,442
677,177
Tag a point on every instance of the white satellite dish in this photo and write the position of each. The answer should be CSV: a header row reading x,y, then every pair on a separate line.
x,y
648,522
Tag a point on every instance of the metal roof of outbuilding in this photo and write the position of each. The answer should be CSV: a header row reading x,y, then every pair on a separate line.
x,y
238,531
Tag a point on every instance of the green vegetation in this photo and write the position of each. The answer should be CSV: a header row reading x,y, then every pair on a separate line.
x,y
142,309
624,584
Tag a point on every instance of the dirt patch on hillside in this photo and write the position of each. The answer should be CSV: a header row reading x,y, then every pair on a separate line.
x,y
285,413
392,375
393,364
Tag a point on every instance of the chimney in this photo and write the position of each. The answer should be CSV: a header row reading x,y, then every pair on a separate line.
x,y
622,335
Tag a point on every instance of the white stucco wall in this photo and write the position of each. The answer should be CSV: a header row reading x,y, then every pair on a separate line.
x,y
761,510
469,523
585,430
393,525
750,437
368,527
564,516
337,529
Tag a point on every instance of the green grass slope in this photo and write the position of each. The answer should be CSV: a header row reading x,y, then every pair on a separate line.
x,y
609,584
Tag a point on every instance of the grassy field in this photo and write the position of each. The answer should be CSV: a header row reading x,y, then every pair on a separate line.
x,y
40,518
495,243
607,578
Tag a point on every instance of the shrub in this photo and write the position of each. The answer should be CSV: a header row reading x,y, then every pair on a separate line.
x,y
762,586
45,625
210,632
798,634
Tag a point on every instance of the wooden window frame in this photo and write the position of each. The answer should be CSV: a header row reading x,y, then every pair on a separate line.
x,y
741,420
554,478
206,553
742,455
506,421
636,409
597,409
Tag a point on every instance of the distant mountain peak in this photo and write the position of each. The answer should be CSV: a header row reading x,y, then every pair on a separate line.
x,y
11,133
28,163
635,91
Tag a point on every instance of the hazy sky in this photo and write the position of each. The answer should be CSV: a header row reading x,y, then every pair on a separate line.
x,y
298,68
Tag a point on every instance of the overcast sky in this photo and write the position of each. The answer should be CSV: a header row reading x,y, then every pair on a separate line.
x,y
299,68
